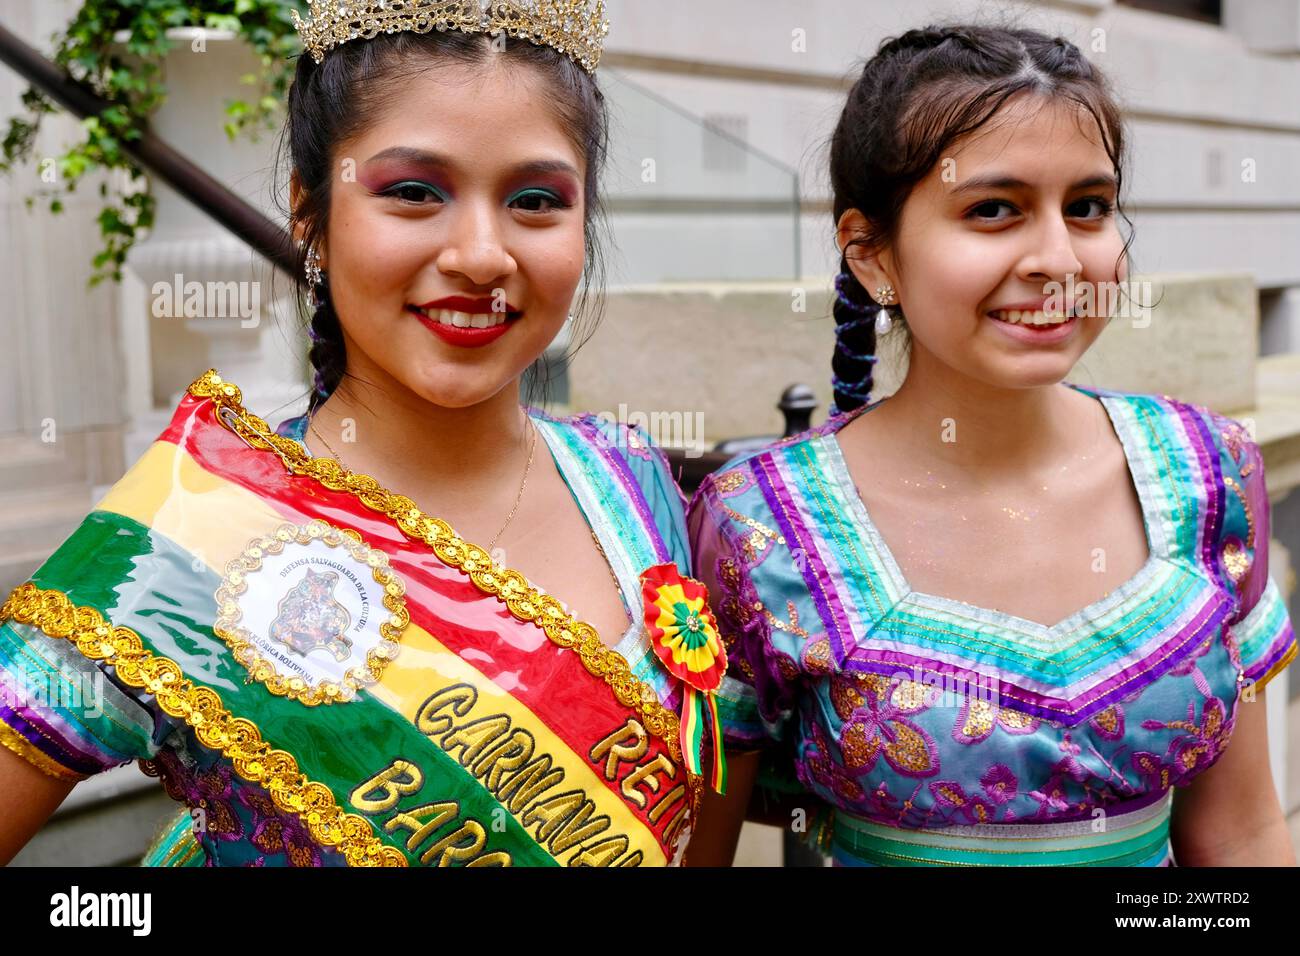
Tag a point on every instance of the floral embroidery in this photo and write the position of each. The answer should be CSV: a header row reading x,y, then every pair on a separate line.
x,y
878,722
950,795
731,481
230,811
1194,751
1189,663
636,444
1109,723
999,783
816,657
275,834
978,717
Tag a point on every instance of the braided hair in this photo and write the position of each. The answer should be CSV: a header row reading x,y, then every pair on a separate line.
x,y
330,104
328,353
920,92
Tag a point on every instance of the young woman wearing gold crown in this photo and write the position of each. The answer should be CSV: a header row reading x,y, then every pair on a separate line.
x,y
319,668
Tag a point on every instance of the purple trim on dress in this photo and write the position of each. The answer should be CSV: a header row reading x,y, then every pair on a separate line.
x,y
1207,456
1279,648
1034,703
49,743
784,511
618,464
1208,619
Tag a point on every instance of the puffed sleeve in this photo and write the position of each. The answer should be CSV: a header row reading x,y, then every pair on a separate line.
x,y
757,697
1263,634
64,713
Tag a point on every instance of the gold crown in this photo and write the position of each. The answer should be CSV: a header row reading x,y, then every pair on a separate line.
x,y
571,26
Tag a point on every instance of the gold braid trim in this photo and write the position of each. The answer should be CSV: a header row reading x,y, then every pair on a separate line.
x,y
524,600
10,739
236,738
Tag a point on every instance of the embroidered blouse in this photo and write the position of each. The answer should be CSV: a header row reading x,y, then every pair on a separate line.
x,y
946,733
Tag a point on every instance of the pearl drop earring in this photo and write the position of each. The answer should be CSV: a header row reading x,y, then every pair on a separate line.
x,y
885,296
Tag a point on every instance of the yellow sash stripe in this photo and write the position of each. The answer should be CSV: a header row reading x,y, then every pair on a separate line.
x,y
214,520
209,517
426,666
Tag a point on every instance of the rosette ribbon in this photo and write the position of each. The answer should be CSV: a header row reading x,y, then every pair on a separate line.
x,y
684,635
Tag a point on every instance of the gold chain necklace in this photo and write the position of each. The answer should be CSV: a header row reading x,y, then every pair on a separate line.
x,y
518,498
618,587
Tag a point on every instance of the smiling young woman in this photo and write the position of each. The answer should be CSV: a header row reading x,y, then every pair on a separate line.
x,y
994,608
297,628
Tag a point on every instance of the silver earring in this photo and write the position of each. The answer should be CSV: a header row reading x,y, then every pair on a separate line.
x,y
312,267
314,277
885,296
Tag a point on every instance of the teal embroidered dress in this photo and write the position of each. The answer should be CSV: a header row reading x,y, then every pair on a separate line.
x,y
942,733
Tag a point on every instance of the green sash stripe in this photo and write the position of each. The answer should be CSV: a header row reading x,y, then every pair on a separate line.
x,y
108,564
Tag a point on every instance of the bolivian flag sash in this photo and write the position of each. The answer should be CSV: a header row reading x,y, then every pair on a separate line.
x,y
411,701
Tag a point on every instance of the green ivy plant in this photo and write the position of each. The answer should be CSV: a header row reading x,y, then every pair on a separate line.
x,y
127,74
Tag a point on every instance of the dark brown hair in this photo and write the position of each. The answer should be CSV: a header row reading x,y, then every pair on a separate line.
x,y
920,92
332,102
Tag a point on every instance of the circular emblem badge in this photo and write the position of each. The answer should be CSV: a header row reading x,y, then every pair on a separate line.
x,y
312,611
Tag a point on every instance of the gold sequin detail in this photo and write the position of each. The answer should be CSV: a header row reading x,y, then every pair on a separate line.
x,y
845,698
953,796
214,726
1014,719
817,656
979,718
859,750
524,600
908,750
763,530
1108,720
1235,439
791,628
909,695
1250,518
848,789
788,668
1235,561
729,481
873,684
